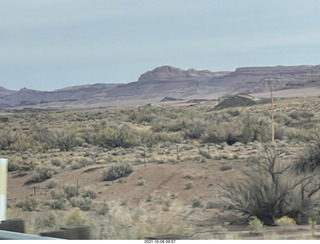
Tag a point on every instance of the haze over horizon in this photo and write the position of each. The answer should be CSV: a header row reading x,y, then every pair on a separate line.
x,y
48,45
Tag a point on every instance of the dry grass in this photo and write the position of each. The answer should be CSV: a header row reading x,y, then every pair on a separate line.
x,y
160,138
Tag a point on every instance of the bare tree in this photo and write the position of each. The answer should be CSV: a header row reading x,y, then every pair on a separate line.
x,y
271,190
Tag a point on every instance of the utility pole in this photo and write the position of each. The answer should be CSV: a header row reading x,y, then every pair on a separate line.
x,y
272,114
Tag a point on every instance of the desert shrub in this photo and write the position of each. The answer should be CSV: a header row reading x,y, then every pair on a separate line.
x,y
302,119
22,173
118,136
75,218
70,191
140,116
23,144
301,115
52,183
42,136
151,139
149,198
104,208
56,162
58,194
196,202
43,172
116,172
172,137
205,154
219,229
294,134
285,222
211,205
90,194
279,132
60,204
217,133
81,162
59,199
141,183
255,224
255,129
8,138
90,133
271,190
309,160
13,165
189,185
83,204
47,221
225,167
234,112
64,139
30,204
194,129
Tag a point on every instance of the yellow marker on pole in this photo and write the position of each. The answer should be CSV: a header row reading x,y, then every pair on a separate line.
x,y
3,188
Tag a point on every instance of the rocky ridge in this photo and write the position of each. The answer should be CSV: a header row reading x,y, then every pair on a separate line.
x,y
168,81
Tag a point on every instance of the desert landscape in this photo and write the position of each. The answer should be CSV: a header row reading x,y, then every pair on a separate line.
x,y
183,167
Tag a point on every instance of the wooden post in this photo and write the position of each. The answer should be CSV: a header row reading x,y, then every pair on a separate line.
x,y
144,156
77,187
272,114
178,158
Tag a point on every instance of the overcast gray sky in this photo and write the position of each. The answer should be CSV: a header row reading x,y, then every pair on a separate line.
x,y
51,44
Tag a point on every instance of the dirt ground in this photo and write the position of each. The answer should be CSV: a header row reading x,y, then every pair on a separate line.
x,y
156,194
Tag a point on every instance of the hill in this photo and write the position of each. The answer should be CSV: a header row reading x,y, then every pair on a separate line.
x,y
168,81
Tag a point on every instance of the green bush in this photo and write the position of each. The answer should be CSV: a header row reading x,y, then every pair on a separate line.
x,y
52,183
225,167
104,209
116,172
194,129
58,194
90,194
255,224
8,138
205,154
255,129
83,204
285,222
70,191
81,162
30,204
118,136
13,165
75,218
196,203
60,204
43,172
228,132
64,139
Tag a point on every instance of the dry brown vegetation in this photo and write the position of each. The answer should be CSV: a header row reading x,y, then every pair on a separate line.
x,y
157,171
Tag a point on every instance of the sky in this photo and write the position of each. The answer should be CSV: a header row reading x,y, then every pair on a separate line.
x,y
52,44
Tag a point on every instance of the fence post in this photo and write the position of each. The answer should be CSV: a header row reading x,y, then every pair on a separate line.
x,y
3,188
77,188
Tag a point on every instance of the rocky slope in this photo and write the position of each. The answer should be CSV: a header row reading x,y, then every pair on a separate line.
x,y
167,81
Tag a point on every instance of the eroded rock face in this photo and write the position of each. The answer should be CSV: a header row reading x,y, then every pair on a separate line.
x,y
168,81
175,74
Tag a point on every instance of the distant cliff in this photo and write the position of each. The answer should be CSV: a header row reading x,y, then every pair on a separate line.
x,y
168,81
